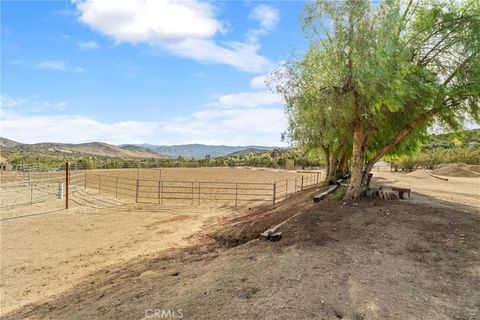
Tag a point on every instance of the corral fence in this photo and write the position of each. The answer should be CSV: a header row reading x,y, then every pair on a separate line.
x,y
31,187
197,192
35,188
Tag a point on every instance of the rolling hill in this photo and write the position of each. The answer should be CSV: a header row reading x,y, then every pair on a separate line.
x,y
4,142
90,149
131,151
199,151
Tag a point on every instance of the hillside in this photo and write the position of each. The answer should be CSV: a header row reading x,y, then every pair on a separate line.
x,y
126,151
4,142
246,151
73,150
199,151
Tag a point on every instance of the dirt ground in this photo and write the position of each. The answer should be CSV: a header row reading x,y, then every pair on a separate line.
x,y
50,252
457,190
46,250
406,259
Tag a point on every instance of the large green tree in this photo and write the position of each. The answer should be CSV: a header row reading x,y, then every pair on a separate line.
x,y
376,77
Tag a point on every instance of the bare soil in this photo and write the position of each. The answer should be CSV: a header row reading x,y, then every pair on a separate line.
x,y
456,191
46,250
405,259
459,170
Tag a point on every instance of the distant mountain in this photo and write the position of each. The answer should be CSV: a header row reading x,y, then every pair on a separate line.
x,y
4,142
188,151
199,151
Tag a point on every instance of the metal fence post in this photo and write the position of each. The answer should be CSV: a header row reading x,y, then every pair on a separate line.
x,y
295,188
161,192
99,183
302,183
192,193
116,187
159,186
274,191
199,193
85,183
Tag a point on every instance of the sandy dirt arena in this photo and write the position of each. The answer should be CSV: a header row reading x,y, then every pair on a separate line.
x,y
46,250
46,254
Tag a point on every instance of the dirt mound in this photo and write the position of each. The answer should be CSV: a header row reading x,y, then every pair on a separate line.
x,y
459,170
418,174
248,227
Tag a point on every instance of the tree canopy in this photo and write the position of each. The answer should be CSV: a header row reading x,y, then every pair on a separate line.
x,y
376,76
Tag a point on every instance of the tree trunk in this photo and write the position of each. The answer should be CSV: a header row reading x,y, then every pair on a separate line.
x,y
328,168
343,166
355,188
333,170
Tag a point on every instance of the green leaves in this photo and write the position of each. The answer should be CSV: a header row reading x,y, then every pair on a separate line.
x,y
400,68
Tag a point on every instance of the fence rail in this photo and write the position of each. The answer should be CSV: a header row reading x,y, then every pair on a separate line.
x,y
28,192
35,187
197,192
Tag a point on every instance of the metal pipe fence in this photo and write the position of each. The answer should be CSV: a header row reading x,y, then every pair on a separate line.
x,y
35,187
197,192
31,191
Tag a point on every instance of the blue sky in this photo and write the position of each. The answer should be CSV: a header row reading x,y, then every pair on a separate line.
x,y
159,72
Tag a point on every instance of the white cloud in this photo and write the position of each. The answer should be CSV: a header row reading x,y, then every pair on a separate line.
x,y
71,128
88,45
248,99
32,105
9,102
149,20
185,28
259,82
239,55
56,65
266,15
233,126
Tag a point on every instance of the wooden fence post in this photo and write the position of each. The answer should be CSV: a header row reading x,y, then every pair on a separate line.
x,y
85,182
295,187
116,187
274,191
99,183
136,191
31,188
67,182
